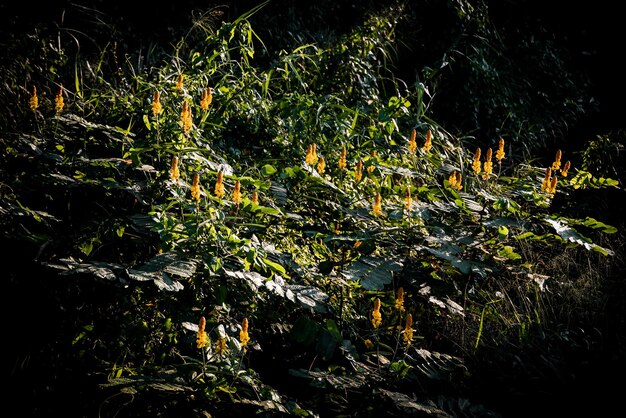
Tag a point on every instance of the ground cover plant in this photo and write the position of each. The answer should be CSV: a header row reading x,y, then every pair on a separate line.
x,y
219,228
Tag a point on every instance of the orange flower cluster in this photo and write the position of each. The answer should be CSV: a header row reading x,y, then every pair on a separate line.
x,y
34,100
343,159
207,98
476,163
174,171
487,165
185,118
456,180
428,144
195,187
311,155
377,208
549,182
358,174
408,330
377,317
219,185
500,152
202,338
59,103
399,303
156,104
236,197
244,338
321,165
412,147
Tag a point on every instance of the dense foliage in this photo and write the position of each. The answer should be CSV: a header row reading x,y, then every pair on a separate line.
x,y
237,224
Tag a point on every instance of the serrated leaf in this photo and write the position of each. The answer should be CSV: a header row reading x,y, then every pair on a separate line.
x,y
372,273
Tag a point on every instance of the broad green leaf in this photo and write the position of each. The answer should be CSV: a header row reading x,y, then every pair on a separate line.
x,y
373,273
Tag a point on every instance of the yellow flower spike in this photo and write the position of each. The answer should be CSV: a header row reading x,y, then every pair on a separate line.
x,y
179,83
255,197
408,330
500,152
456,180
195,187
34,100
311,155
377,208
487,165
408,200
221,347
400,299
428,144
476,163
545,184
207,98
459,181
244,338
236,197
343,163
557,161
174,172
202,338
357,244
185,117
412,146
59,103
553,185
321,165
565,168
219,185
358,174
377,317
156,104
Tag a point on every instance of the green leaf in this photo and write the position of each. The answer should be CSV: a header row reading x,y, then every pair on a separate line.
x,y
304,331
267,170
508,252
275,267
332,327
372,273
571,235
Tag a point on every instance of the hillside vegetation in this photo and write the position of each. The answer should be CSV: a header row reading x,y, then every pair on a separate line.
x,y
285,218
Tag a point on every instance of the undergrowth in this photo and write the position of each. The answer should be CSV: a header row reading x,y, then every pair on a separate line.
x,y
296,237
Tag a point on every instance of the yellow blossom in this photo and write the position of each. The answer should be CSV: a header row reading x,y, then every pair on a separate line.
x,y
429,141
565,168
174,172
357,244
236,197
377,209
476,163
244,338
219,185
156,104
358,174
321,165
179,83
487,165
377,317
408,200
408,330
343,163
34,100
195,187
500,152
557,161
553,182
255,197
202,338
545,184
207,98
185,117
311,155
368,344
456,180
400,299
221,347
412,143
59,103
